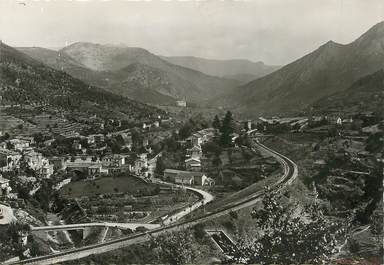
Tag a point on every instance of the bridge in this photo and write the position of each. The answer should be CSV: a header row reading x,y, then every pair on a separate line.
x,y
132,226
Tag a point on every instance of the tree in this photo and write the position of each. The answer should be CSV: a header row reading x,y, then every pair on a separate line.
x,y
4,137
227,128
9,146
216,122
186,130
233,214
14,232
216,160
38,138
212,147
175,248
287,238
160,166
199,231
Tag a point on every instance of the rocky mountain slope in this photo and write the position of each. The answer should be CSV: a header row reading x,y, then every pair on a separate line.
x,y
329,69
177,81
366,94
242,70
24,80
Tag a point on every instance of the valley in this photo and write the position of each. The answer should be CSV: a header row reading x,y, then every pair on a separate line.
x,y
128,143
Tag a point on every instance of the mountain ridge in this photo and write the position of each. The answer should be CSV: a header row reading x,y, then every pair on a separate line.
x,y
237,68
365,94
25,81
98,64
331,68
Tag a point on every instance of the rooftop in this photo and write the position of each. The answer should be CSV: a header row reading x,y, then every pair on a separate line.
x,y
182,173
7,152
3,180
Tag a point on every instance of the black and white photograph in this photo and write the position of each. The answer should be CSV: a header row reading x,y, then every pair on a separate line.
x,y
189,132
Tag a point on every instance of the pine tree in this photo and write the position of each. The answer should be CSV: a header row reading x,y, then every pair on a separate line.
x,y
216,122
226,130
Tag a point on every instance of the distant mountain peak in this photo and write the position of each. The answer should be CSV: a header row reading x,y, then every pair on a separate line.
x,y
330,45
331,68
88,45
374,33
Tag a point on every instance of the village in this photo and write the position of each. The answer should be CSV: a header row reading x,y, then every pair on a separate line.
x,y
126,175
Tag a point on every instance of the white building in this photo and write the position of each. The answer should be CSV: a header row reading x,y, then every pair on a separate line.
x,y
193,164
181,103
19,144
187,177
5,189
9,160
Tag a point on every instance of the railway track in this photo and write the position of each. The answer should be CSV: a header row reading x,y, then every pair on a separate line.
x,y
289,175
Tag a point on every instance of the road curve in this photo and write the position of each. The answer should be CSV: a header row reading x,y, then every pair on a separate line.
x,y
206,197
289,175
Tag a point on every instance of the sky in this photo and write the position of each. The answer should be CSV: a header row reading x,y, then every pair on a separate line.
x,y
273,31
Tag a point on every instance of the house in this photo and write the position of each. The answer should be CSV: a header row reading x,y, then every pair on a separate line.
x,y
19,144
5,189
94,169
114,160
156,124
166,122
234,136
24,179
49,142
76,145
70,134
187,177
195,139
3,145
58,163
201,137
193,164
145,126
320,163
202,180
194,152
184,180
127,137
181,103
139,165
143,156
347,120
145,141
29,139
9,159
35,160
371,129
46,170
95,138
248,125
89,168
339,121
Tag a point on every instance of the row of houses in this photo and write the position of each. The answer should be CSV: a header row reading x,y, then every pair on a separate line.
x,y
201,137
10,160
91,166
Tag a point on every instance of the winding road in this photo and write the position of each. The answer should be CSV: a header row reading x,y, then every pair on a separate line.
x,y
290,173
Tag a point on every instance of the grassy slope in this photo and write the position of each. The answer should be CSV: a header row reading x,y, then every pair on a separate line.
x,y
105,185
